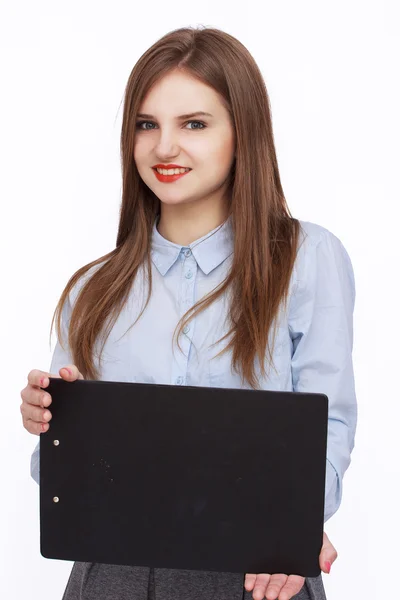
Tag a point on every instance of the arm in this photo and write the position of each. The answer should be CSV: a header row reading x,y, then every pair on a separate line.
x,y
321,328
61,358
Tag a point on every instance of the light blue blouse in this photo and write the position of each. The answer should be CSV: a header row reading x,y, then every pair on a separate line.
x,y
314,340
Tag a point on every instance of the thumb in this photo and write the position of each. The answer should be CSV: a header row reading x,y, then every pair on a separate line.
x,y
70,373
328,555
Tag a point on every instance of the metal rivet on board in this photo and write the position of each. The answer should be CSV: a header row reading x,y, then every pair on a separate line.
x,y
56,499
56,442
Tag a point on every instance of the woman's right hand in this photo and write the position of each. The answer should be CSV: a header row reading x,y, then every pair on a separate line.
x,y
35,401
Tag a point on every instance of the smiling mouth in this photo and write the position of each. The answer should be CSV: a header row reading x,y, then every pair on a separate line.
x,y
174,171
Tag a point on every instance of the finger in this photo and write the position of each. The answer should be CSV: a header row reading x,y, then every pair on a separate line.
x,y
275,585
39,378
35,396
328,555
260,586
36,428
35,414
70,373
292,587
249,581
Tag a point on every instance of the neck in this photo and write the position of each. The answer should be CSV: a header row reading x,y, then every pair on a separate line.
x,y
183,224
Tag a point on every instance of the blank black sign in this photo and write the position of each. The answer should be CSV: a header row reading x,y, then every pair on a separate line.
x,y
184,477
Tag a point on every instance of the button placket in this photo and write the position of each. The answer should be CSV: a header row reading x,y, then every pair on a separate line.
x,y
189,270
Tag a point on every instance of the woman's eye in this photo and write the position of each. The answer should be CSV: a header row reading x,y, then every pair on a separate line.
x,y
199,123
140,123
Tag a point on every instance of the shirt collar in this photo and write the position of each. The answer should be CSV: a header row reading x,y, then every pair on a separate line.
x,y
209,251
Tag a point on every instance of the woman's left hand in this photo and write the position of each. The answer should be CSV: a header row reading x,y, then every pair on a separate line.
x,y
284,587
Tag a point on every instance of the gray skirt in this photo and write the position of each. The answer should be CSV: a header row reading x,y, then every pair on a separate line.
x,y
97,581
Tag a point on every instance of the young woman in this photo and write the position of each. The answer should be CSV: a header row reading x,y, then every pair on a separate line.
x,y
212,283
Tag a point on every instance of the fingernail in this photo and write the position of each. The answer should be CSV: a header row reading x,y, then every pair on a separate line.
x,y
328,566
69,370
41,382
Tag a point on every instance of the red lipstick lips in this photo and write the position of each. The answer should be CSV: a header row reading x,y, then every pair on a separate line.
x,y
171,166
169,178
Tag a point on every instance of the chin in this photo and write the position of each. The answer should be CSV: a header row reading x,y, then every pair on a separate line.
x,y
175,201
173,197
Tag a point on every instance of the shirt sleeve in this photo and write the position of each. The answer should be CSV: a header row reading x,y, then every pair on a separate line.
x,y
321,328
61,357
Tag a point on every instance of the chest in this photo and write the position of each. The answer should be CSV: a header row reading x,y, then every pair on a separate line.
x,y
143,349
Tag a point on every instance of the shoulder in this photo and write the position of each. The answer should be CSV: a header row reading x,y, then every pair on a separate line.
x,y
319,250
313,237
312,234
83,279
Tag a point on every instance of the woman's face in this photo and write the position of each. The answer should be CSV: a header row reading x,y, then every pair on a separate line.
x,y
203,143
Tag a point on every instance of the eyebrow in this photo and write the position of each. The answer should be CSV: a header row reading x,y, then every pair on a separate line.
x,y
199,113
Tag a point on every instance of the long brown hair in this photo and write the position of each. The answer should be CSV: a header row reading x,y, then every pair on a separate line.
x,y
265,233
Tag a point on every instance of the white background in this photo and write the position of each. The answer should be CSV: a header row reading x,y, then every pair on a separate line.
x,y
332,76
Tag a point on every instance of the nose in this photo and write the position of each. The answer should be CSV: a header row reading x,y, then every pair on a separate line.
x,y
167,146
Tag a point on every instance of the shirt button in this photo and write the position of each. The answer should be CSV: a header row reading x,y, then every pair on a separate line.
x,y
188,252
189,275
186,329
179,380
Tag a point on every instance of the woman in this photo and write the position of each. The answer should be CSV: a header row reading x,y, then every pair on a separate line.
x,y
212,283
